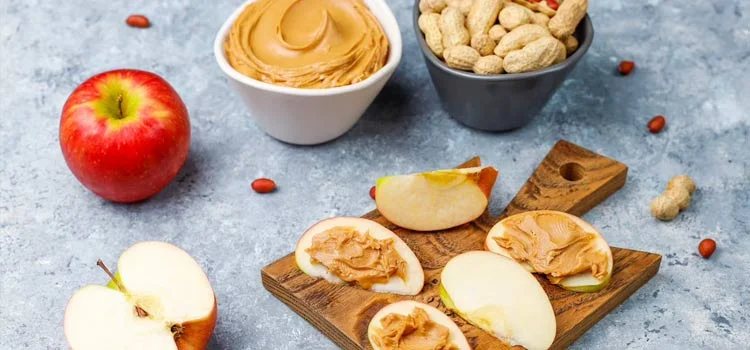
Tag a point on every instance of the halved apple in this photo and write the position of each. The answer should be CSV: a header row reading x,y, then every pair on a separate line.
x,y
160,299
411,285
435,200
406,307
499,296
582,282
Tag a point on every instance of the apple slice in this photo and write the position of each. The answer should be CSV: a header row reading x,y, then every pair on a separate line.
x,y
435,200
414,281
498,295
582,282
161,300
406,307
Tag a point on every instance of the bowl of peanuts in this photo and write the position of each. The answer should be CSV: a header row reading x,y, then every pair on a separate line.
x,y
496,63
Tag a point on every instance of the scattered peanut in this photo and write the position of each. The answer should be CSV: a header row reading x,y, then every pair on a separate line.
x,y
490,64
483,44
429,23
680,195
461,57
570,13
513,17
483,15
496,32
263,185
682,181
519,37
656,124
571,45
372,192
540,19
626,67
664,208
706,248
677,195
538,54
428,6
539,6
453,28
138,21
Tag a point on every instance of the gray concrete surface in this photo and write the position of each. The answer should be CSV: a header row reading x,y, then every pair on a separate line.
x,y
693,60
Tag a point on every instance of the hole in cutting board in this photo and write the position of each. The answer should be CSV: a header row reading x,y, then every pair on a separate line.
x,y
572,171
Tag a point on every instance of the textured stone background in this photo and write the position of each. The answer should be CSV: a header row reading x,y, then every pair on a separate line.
x,y
693,59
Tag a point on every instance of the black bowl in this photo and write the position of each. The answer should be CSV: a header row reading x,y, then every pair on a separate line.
x,y
504,101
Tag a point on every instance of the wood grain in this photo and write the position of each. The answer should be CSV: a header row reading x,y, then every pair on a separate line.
x,y
570,178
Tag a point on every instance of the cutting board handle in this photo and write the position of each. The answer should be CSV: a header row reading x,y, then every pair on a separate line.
x,y
570,178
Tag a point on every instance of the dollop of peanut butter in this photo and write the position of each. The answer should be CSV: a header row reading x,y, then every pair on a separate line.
x,y
307,43
553,245
357,257
412,332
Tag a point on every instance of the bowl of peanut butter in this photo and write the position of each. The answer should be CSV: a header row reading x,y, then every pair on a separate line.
x,y
308,69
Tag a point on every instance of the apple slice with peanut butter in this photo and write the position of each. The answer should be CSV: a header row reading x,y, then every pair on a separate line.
x,y
360,252
565,248
411,325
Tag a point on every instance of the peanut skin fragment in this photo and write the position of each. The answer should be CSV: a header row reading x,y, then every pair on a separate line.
x,y
519,37
453,28
538,54
429,23
570,13
489,64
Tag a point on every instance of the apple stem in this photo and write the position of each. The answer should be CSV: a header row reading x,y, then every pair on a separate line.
x,y
119,106
138,309
100,263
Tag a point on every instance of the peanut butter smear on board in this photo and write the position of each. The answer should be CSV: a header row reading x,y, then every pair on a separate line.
x,y
553,245
357,257
412,332
307,43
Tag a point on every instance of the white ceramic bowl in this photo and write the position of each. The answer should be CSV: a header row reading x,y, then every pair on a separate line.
x,y
311,116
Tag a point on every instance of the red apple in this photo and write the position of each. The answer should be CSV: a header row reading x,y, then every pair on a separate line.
x,y
125,134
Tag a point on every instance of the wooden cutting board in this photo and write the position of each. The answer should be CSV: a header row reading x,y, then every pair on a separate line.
x,y
570,179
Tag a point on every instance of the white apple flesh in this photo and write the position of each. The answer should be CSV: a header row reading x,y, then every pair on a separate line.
x,y
414,273
167,303
582,282
435,200
499,296
406,307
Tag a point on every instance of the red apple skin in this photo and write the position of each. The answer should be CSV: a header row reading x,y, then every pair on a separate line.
x,y
130,158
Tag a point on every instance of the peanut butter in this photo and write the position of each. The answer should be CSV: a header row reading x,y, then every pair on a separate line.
x,y
554,245
412,332
307,43
357,257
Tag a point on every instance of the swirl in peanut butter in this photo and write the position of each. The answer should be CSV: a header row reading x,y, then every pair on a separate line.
x,y
307,43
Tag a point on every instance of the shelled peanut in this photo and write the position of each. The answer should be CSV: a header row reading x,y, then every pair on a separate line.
x,y
501,36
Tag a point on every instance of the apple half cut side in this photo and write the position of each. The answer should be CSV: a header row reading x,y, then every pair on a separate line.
x,y
582,282
414,275
406,307
435,200
499,296
160,299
